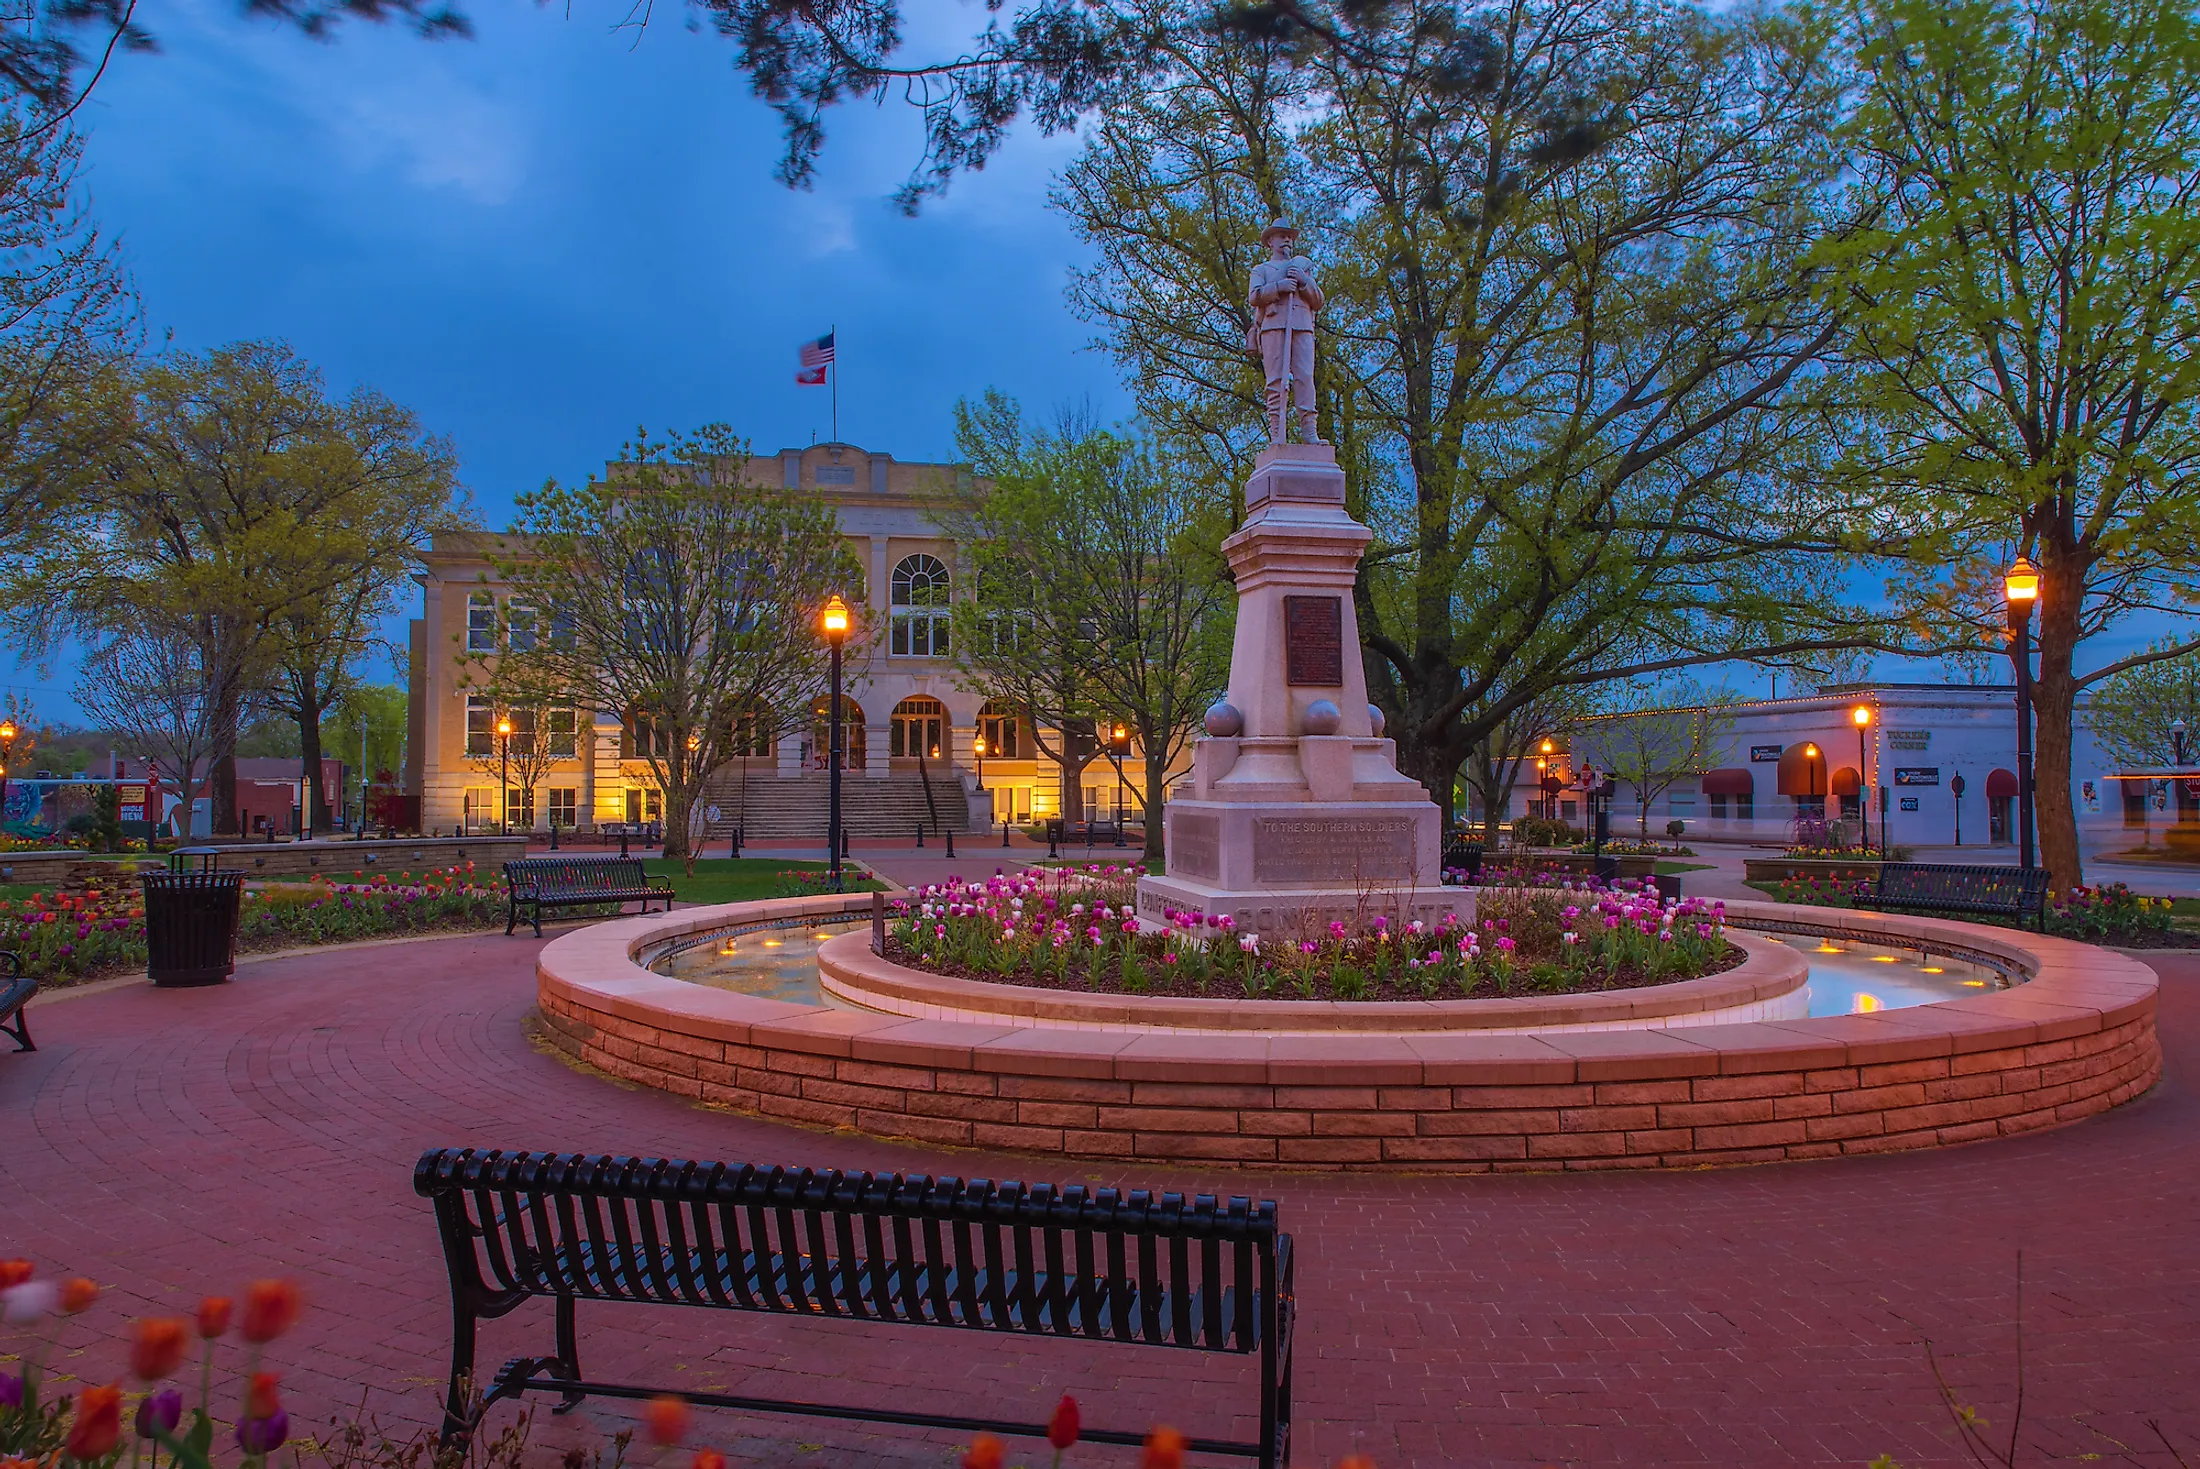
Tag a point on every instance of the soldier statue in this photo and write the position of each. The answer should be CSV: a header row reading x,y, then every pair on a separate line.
x,y
1283,300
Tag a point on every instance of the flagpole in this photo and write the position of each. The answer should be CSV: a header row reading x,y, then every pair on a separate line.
x,y
834,332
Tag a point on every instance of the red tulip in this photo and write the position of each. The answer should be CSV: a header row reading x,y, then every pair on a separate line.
x,y
1062,1427
1357,1461
271,1308
985,1452
709,1459
1164,1450
213,1316
98,1425
260,1400
157,1347
667,1417
77,1296
13,1273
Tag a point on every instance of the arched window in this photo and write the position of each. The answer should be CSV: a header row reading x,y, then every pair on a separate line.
x,y
919,608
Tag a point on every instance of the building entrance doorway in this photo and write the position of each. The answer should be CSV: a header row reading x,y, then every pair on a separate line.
x,y
919,728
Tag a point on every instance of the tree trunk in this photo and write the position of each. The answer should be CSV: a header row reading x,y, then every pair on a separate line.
x,y
1157,784
2054,701
309,754
222,817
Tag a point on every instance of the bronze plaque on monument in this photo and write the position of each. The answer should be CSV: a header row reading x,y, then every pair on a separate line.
x,y
1293,851
1313,641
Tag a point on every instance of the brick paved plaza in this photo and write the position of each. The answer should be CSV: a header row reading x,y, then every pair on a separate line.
x,y
172,1143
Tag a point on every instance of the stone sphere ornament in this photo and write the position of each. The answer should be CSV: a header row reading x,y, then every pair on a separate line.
x,y
1323,717
1223,720
1375,720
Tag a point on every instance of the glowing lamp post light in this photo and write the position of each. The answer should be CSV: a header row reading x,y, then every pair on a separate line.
x,y
1862,716
833,622
1810,777
504,774
7,760
1119,741
2022,588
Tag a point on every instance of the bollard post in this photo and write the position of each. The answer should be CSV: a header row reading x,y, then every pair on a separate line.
x,y
920,836
951,841
878,923
1004,836
622,840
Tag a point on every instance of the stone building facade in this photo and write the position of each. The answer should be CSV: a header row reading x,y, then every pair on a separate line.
x,y
914,728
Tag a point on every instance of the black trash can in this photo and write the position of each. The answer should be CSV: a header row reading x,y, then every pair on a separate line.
x,y
1464,858
191,926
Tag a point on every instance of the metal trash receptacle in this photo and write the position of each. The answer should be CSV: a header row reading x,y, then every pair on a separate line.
x,y
191,926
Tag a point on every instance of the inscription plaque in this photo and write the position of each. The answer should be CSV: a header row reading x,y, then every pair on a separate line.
x,y
1292,851
1313,641
1195,845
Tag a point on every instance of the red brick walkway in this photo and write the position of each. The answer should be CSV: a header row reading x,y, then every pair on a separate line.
x,y
172,1143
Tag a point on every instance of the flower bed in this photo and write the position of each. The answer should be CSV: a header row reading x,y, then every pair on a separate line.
x,y
2108,914
1078,929
70,937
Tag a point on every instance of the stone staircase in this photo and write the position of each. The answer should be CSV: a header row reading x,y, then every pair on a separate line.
x,y
794,810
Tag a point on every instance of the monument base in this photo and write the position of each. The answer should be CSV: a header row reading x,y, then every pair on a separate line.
x,y
1278,867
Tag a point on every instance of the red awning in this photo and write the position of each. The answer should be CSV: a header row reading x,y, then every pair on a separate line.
x,y
1802,774
1729,782
1846,782
2000,783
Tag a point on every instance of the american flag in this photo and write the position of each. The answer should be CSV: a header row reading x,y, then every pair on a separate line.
x,y
816,356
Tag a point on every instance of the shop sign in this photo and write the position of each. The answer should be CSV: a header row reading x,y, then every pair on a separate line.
x,y
1909,739
130,803
1917,775
1760,754
1909,803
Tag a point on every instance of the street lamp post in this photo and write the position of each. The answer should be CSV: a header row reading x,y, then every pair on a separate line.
x,y
1810,777
1862,715
1550,795
7,762
504,774
977,747
2176,740
2022,588
1120,743
834,622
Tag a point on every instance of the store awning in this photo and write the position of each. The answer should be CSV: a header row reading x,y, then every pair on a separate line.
x,y
2000,783
1729,782
1846,782
1802,774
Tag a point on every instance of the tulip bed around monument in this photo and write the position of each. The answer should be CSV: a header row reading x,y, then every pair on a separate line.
x,y
68,937
1072,928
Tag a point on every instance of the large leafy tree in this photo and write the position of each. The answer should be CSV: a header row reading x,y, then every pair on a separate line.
x,y
2027,298
2131,712
1573,361
1100,594
678,594
227,494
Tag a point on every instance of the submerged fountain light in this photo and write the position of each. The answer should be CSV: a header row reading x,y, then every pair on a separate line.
x,y
1930,969
1865,1004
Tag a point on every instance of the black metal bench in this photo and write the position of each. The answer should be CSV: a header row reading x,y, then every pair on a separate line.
x,y
16,989
536,883
866,1249
1940,887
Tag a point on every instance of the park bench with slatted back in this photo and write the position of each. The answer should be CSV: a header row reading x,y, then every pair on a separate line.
x,y
536,883
16,989
1947,887
866,1250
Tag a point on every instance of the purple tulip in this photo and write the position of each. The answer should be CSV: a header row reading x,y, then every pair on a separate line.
x,y
11,1390
264,1435
160,1413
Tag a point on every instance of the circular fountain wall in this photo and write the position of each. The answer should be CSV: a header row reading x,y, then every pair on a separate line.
x,y
1482,1089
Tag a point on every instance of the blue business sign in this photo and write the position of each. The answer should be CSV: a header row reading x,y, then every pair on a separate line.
x,y
1917,775
1759,754
1909,803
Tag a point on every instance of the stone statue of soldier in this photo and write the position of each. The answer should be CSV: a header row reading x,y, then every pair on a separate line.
x,y
1283,299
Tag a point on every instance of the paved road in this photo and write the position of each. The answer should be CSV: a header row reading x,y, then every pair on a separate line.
x,y
172,1143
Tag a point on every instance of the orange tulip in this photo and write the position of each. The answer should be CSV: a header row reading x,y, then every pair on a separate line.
x,y
1164,1450
213,1316
667,1417
157,1347
709,1459
260,1399
271,1308
1357,1461
77,1296
98,1425
13,1273
985,1452
1062,1427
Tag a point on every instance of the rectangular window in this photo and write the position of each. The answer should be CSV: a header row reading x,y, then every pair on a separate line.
x,y
481,725
519,627
558,731
919,634
480,808
564,806
481,622
1745,808
644,737
519,809
1718,808
1003,736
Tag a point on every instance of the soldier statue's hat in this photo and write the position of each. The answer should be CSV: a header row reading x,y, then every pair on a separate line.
x,y
1278,227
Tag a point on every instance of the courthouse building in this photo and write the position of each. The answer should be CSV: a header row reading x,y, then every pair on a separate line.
x,y
919,745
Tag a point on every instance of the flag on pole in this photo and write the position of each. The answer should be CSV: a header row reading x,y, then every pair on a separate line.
x,y
816,357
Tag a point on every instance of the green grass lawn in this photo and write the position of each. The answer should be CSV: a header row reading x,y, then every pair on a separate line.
x,y
1675,869
15,892
738,879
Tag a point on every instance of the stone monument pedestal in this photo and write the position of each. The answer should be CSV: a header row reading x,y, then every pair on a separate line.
x,y
1297,815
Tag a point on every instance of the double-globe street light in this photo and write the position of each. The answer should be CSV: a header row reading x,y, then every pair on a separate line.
x,y
504,775
833,622
2021,588
1862,716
